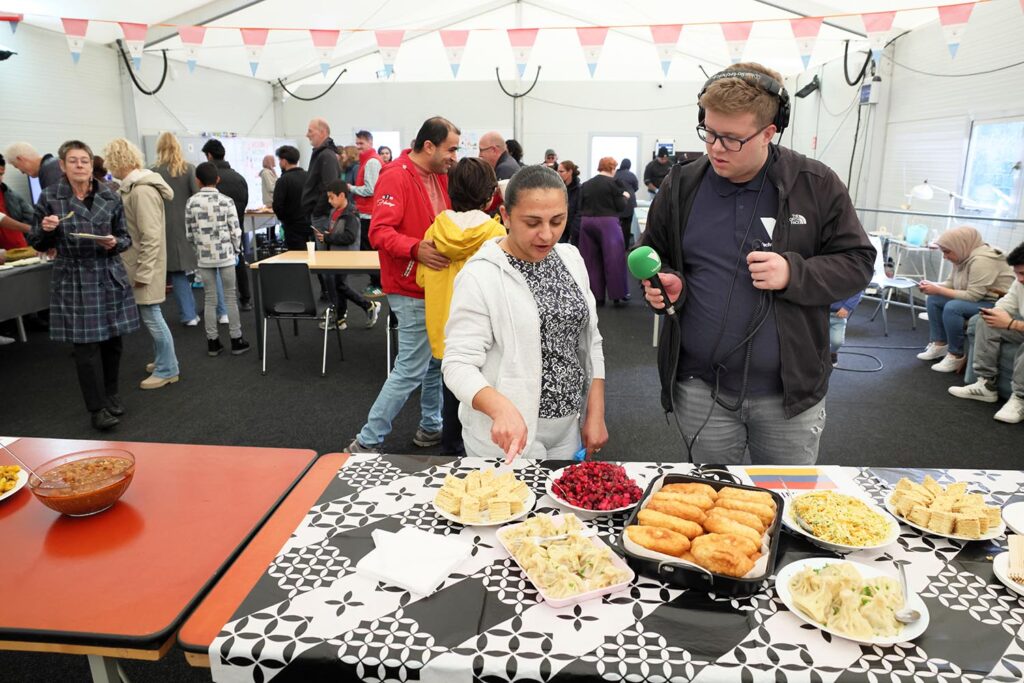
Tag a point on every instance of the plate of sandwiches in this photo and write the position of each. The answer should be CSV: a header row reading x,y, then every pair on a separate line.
x,y
948,511
484,498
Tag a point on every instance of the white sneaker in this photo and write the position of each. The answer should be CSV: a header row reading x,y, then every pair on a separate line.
x,y
223,320
933,351
948,364
978,391
193,322
372,313
1013,411
6,340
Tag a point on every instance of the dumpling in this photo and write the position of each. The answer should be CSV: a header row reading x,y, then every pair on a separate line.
x,y
811,596
846,617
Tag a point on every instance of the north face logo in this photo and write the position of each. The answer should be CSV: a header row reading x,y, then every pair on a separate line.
x,y
797,219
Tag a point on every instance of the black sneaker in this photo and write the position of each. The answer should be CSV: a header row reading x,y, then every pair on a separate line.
x,y
114,405
213,347
425,439
103,420
239,346
245,305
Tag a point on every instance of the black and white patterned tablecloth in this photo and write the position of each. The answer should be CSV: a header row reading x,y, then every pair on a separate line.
x,y
311,617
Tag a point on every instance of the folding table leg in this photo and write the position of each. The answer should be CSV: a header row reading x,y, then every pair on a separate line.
x,y
105,669
21,330
328,321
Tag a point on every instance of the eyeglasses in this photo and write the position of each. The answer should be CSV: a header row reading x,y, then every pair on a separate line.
x,y
487,149
730,144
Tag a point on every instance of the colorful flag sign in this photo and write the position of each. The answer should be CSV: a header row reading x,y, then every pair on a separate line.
x,y
592,40
736,34
388,43
254,39
522,40
878,26
192,40
805,31
665,38
74,30
454,45
953,19
135,39
13,19
324,42
782,478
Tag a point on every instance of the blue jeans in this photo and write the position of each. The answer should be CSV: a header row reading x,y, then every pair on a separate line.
x,y
183,294
163,343
836,332
414,367
947,319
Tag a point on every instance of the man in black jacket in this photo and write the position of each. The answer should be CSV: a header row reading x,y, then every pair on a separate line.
x,y
287,202
323,168
233,185
765,240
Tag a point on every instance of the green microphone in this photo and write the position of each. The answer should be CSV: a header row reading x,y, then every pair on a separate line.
x,y
645,264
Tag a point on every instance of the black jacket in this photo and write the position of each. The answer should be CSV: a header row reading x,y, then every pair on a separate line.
x,y
344,231
572,221
602,196
233,185
323,168
655,173
288,200
627,180
829,255
506,166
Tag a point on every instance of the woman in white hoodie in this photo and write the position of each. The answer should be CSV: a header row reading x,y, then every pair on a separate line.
x,y
522,350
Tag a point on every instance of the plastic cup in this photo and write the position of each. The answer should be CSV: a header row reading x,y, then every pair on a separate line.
x,y
311,251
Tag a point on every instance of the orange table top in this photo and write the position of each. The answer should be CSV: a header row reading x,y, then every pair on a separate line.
x,y
338,259
220,604
129,575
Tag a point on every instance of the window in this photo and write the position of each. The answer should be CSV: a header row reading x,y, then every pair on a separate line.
x,y
617,146
388,138
992,178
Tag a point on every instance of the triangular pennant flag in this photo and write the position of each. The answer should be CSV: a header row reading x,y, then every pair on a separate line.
x,y
324,42
592,40
736,34
192,39
388,43
74,30
135,39
665,38
954,23
454,45
522,40
12,20
805,31
254,40
878,26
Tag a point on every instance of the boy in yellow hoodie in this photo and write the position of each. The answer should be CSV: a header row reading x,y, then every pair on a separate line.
x,y
457,233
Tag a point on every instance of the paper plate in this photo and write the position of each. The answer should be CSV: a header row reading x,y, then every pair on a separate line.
x,y
993,532
909,632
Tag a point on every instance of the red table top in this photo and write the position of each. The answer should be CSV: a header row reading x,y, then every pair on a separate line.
x,y
128,576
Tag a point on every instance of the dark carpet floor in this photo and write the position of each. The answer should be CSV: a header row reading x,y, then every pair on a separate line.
x,y
901,416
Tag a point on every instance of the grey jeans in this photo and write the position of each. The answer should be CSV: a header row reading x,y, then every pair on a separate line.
x,y
759,426
227,277
987,341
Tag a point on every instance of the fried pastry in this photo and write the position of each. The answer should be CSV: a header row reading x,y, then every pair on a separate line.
x,y
724,525
740,543
690,529
744,518
676,508
659,540
722,559
764,513
691,487
688,556
699,500
762,497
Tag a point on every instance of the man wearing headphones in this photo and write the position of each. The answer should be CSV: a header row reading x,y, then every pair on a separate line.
x,y
756,242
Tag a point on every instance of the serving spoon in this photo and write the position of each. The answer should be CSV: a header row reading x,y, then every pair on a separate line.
x,y
905,615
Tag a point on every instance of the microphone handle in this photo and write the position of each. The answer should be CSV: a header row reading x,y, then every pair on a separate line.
x,y
670,309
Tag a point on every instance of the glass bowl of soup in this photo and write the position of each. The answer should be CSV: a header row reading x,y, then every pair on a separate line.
x,y
85,482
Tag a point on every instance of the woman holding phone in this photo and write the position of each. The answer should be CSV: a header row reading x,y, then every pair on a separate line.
x,y
91,301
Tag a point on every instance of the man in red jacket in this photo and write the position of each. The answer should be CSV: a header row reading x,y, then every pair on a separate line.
x,y
410,192
370,166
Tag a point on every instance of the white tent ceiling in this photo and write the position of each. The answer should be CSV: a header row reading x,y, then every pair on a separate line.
x,y
628,52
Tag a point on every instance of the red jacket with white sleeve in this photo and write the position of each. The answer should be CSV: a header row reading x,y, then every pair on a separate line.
x,y
402,213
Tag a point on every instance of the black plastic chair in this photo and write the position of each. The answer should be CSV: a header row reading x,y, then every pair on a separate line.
x,y
287,293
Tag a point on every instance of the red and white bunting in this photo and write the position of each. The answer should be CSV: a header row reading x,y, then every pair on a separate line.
x,y
522,40
592,40
324,42
665,38
135,39
388,43
454,45
953,19
192,40
806,30
878,25
254,39
13,19
74,30
736,34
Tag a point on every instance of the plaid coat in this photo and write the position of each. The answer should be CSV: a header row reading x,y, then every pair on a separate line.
x,y
90,295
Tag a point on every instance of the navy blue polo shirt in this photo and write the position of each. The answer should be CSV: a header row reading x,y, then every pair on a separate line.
x,y
715,240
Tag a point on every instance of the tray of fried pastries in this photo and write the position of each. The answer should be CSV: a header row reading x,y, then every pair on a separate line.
x,y
705,534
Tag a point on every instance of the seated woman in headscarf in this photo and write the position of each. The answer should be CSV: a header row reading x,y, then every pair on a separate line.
x,y
980,276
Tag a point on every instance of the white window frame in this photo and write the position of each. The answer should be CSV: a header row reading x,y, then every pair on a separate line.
x,y
964,204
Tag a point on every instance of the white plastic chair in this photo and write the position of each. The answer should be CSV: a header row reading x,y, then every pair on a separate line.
x,y
885,286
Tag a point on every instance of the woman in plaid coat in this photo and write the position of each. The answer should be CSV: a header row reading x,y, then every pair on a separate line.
x,y
91,301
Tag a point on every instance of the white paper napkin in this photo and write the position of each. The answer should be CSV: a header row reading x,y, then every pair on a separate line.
x,y
415,560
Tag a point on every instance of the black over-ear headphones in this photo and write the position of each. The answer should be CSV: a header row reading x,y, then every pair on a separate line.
x,y
762,81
